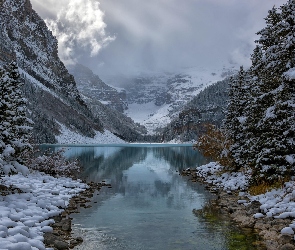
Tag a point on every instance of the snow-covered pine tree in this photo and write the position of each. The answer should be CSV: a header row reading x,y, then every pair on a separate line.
x,y
274,145
235,117
263,131
252,111
14,125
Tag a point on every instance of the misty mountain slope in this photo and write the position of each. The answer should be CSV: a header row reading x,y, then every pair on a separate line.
x,y
207,107
106,103
117,123
93,87
50,89
155,100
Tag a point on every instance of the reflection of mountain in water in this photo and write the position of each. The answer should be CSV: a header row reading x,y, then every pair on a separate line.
x,y
97,167
146,175
180,157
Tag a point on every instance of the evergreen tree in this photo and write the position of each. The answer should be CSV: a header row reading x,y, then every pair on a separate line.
x,y
235,115
264,138
15,126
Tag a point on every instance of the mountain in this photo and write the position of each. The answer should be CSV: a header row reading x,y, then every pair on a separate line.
x,y
207,107
154,100
53,98
91,86
107,104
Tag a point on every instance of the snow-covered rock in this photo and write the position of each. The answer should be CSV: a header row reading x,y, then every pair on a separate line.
x,y
24,217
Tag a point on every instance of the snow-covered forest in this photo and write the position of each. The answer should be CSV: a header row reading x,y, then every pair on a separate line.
x,y
245,123
260,118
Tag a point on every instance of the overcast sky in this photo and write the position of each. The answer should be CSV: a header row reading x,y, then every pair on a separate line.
x,y
125,36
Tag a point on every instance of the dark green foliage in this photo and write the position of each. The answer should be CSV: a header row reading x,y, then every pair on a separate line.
x,y
207,107
261,112
14,125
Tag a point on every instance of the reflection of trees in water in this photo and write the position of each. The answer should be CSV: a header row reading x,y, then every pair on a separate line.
x,y
180,157
111,167
175,192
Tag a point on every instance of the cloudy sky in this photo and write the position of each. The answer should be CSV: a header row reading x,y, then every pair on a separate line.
x,y
126,36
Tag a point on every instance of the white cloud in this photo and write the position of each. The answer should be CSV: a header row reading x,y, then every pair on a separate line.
x,y
78,25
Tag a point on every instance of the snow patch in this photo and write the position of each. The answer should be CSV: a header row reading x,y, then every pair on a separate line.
x,y
24,217
70,137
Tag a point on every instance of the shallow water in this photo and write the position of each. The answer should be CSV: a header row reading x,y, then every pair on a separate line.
x,y
150,205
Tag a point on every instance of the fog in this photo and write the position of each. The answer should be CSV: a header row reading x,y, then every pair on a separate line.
x,y
129,36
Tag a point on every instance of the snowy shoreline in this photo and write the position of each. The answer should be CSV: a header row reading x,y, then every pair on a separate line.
x,y
25,215
274,213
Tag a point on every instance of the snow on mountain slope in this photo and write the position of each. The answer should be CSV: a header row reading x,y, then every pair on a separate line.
x,y
154,100
69,137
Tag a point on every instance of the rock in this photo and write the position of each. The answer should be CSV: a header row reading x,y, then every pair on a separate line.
x,y
61,245
245,221
287,246
66,225
285,239
50,238
271,245
75,242
79,239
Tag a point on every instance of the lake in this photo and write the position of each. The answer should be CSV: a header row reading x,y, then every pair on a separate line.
x,y
149,205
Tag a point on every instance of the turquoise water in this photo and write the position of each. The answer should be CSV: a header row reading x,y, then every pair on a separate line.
x,y
149,205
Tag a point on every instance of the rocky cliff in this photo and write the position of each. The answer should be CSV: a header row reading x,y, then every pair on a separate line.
x,y
93,87
108,104
51,91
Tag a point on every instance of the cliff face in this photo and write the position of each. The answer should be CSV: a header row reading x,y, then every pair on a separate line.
x,y
50,89
108,104
91,86
35,46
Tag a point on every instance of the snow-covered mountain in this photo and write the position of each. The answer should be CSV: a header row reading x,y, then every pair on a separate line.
x,y
54,101
91,86
154,100
207,107
107,104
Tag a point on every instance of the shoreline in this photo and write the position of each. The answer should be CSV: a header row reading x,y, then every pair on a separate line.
x,y
61,237
232,203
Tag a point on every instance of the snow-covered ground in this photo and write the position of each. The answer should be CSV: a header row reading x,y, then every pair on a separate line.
x,y
70,137
24,217
277,203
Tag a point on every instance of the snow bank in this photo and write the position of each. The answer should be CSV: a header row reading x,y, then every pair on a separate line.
x,y
69,137
24,217
277,203
212,172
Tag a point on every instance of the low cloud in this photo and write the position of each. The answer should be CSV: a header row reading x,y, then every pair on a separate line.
x,y
78,26
155,34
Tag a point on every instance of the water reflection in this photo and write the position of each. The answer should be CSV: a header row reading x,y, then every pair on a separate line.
x,y
149,205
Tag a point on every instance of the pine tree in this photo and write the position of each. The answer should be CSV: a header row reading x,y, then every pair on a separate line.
x,y
235,116
264,138
15,126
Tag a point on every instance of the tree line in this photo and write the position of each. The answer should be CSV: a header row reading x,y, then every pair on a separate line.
x,y
258,130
